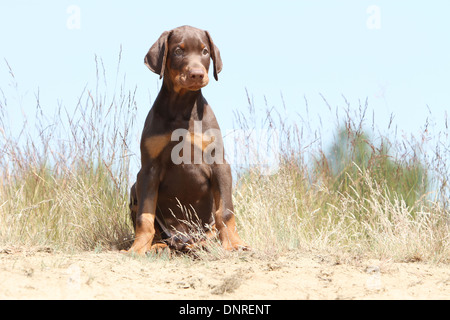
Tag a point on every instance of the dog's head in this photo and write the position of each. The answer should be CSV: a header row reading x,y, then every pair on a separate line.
x,y
183,56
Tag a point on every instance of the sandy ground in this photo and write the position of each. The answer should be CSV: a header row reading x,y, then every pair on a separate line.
x,y
40,273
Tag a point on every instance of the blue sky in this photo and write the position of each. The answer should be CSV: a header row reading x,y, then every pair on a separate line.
x,y
400,61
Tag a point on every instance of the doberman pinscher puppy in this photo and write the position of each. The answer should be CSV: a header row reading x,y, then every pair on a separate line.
x,y
184,185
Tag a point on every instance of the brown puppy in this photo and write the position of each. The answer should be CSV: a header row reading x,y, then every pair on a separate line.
x,y
184,184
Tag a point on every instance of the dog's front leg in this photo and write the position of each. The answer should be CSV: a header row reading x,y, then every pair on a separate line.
x,y
224,214
147,195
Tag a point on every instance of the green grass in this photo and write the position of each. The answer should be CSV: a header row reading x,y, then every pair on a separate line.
x,y
67,187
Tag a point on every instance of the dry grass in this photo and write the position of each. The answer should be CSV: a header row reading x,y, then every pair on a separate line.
x,y
387,201
64,180
274,216
64,184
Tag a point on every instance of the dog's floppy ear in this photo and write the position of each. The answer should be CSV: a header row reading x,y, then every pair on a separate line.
x,y
155,59
215,55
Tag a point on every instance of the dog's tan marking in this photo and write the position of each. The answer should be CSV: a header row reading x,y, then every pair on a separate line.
x,y
201,141
156,144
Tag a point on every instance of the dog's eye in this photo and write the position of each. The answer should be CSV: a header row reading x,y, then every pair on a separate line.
x,y
205,51
178,51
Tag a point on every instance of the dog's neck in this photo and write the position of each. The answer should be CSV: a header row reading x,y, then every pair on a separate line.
x,y
184,105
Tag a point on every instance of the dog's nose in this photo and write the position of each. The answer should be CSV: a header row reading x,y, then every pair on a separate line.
x,y
196,74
